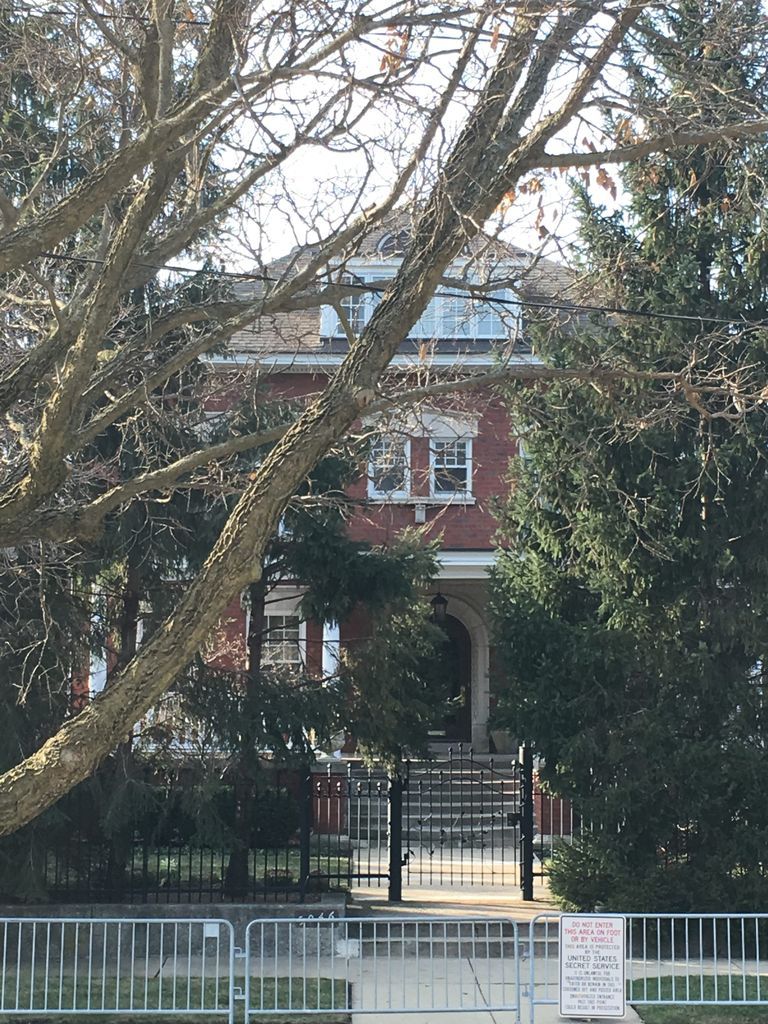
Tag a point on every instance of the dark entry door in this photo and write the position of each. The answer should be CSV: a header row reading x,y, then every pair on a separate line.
x,y
457,666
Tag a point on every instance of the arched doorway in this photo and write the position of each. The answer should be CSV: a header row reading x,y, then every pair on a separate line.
x,y
456,667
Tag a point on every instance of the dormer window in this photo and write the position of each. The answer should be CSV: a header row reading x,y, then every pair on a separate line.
x,y
450,315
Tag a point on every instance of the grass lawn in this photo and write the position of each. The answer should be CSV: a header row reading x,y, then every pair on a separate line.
x,y
703,1014
707,988
299,993
40,997
335,1017
188,870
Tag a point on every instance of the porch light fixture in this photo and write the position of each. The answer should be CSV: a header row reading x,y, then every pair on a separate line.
x,y
439,608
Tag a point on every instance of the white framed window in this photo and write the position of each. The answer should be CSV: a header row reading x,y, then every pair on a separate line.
x,y
357,307
389,468
282,643
449,316
461,317
450,467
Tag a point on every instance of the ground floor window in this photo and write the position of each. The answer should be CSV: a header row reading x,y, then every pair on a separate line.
x,y
282,641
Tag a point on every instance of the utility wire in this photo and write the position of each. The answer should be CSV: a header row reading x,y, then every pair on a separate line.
x,y
458,28
107,15
543,304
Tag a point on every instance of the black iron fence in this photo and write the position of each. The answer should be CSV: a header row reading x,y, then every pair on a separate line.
x,y
351,810
462,821
80,870
305,834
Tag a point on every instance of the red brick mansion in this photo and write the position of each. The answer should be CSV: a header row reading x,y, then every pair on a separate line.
x,y
439,465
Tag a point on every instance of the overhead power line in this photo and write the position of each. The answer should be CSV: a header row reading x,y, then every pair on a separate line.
x,y
494,34
40,12
543,304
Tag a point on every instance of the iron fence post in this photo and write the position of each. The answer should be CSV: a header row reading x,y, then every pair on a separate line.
x,y
526,824
305,829
395,837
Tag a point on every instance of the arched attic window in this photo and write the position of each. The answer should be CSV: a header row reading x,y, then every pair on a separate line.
x,y
394,244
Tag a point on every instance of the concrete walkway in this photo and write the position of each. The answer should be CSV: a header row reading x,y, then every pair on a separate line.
x,y
463,901
468,901
544,1015
443,981
475,984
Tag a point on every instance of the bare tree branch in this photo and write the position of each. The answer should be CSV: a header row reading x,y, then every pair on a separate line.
x,y
449,120
659,144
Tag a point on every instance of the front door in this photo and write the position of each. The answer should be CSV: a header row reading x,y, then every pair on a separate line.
x,y
457,665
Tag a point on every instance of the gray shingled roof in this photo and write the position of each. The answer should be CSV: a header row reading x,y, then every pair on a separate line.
x,y
534,278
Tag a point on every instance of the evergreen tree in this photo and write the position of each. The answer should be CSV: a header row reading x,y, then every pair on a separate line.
x,y
632,597
384,681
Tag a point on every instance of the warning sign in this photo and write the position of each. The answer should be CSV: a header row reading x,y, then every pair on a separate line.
x,y
592,965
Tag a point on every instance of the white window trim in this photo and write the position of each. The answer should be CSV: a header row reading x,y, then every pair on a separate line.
x,y
330,326
425,423
416,501
399,495
456,496
283,601
266,646
331,649
444,425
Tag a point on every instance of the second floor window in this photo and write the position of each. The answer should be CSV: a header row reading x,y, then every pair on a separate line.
x,y
282,642
451,467
389,468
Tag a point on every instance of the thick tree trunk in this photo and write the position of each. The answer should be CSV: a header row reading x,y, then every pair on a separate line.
x,y
469,188
238,875
122,840
74,752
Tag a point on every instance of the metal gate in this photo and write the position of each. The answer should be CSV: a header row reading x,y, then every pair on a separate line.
x,y
378,966
181,968
465,820
63,966
461,821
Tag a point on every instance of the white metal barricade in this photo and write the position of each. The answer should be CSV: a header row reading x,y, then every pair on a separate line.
x,y
381,965
303,966
169,966
672,959
544,961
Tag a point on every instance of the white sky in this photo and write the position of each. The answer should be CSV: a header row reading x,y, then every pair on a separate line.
x,y
316,184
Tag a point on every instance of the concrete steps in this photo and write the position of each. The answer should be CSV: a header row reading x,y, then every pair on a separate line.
x,y
465,805
453,804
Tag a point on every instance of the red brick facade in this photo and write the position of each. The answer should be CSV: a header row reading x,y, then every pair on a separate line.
x,y
465,527
299,350
461,526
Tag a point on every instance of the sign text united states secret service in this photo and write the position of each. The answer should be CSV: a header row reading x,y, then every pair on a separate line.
x,y
592,965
